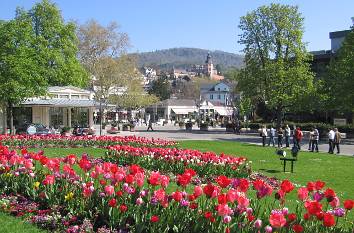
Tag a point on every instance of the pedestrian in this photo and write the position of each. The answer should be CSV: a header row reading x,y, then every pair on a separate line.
x,y
287,133
293,134
150,125
298,137
264,134
311,134
331,136
271,136
280,137
316,138
337,140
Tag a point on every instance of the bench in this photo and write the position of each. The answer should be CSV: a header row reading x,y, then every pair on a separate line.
x,y
292,159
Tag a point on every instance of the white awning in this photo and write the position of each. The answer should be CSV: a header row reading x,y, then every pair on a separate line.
x,y
183,111
224,111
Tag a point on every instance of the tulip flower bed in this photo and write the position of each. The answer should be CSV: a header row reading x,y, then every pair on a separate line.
x,y
173,160
19,141
74,194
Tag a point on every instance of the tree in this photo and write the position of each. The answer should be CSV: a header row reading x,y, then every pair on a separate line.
x,y
340,81
161,88
277,70
102,51
37,50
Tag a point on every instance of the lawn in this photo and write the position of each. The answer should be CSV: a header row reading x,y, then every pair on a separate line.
x,y
336,171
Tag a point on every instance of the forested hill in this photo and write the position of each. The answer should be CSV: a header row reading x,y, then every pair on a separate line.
x,y
184,57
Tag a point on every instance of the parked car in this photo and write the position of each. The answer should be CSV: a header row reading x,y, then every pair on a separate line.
x,y
33,129
80,130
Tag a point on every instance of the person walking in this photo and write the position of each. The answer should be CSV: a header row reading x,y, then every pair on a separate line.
x,y
287,133
271,136
337,140
298,137
316,138
311,134
264,135
150,125
331,136
280,137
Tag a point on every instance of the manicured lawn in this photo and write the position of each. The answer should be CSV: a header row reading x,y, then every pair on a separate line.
x,y
10,224
336,171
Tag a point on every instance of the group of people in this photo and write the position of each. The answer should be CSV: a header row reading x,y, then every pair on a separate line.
x,y
334,138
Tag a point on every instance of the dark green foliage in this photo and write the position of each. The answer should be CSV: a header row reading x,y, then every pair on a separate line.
x,y
161,88
185,57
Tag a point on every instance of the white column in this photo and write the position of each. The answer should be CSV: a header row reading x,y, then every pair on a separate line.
x,y
69,117
90,112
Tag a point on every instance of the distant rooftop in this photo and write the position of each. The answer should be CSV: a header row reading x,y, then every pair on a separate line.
x,y
338,34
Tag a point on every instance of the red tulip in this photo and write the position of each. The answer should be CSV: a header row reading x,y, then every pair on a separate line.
x,y
348,204
328,220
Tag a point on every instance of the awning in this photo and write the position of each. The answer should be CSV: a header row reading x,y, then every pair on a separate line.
x,y
183,111
63,103
225,111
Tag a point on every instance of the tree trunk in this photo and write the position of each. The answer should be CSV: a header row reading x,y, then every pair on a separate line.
x,y
11,114
279,117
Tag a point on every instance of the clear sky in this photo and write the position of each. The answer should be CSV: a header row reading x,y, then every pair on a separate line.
x,y
208,24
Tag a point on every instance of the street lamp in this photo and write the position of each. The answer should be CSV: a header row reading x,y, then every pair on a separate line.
x,y
102,97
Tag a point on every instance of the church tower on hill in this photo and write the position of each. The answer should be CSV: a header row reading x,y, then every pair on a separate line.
x,y
209,66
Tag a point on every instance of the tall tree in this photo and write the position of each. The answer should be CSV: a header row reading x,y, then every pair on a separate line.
x,y
161,88
37,49
102,51
277,70
340,81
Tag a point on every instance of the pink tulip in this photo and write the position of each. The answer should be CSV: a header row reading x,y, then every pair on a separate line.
x,y
109,190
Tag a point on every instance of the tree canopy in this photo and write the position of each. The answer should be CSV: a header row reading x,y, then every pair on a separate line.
x,y
161,88
277,70
37,49
340,81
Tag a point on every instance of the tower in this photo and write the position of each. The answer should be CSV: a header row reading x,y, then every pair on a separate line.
x,y
209,66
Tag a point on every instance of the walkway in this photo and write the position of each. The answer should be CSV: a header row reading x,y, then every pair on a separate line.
x,y
175,133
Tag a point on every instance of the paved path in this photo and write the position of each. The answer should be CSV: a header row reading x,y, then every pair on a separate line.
x,y
175,133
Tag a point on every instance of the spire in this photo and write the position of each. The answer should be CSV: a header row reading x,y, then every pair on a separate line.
x,y
208,60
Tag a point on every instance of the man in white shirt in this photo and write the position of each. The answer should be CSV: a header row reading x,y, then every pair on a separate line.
x,y
331,135
271,136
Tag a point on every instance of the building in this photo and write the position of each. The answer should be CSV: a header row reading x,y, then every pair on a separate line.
x,y
217,94
172,109
208,69
63,106
322,58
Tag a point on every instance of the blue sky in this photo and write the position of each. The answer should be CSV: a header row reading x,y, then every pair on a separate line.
x,y
162,24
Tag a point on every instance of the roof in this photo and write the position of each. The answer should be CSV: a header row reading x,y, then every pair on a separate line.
x,y
178,102
62,102
62,88
339,34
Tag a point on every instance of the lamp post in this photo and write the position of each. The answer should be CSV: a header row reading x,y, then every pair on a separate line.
x,y
101,115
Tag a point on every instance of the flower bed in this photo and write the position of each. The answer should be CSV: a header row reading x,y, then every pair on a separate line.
x,y
93,195
177,160
20,141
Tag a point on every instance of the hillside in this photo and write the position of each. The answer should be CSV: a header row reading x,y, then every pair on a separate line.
x,y
184,57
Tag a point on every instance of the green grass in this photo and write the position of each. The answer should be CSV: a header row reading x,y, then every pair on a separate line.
x,y
10,224
336,171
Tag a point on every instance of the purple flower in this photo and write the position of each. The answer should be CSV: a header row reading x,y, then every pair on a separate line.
x,y
184,202
339,212
318,196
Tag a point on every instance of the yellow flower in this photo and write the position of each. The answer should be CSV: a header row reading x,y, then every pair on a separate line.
x,y
69,196
36,185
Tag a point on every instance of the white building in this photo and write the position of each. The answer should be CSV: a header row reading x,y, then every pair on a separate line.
x,y
217,94
63,106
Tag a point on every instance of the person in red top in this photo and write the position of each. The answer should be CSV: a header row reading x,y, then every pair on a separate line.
x,y
298,137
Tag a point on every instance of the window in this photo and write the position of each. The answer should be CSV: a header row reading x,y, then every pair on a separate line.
x,y
224,96
63,96
211,96
75,96
86,97
219,97
218,88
